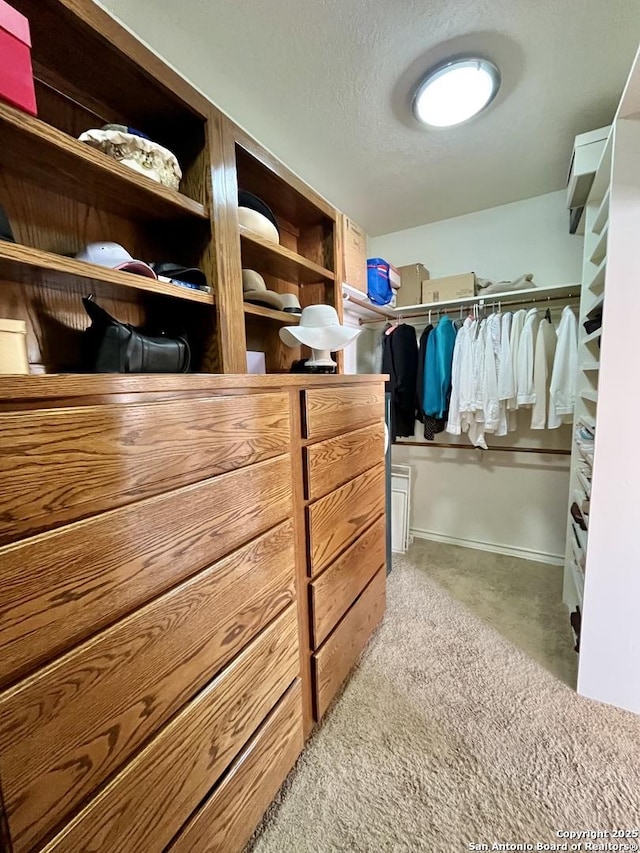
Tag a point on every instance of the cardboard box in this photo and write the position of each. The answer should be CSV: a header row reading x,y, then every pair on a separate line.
x,y
411,277
395,279
16,74
449,287
354,241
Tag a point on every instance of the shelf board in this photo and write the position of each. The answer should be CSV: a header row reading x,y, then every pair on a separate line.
x,y
589,366
271,314
597,302
33,266
600,251
273,259
516,297
602,216
586,485
589,339
58,162
590,395
596,285
578,579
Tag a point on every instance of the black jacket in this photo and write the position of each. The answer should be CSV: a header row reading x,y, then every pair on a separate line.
x,y
400,361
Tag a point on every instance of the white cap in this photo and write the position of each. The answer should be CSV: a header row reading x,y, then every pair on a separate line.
x,y
114,256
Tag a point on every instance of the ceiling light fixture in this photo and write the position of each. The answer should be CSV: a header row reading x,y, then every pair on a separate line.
x,y
456,91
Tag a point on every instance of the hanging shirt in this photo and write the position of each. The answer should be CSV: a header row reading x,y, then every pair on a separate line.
x,y
517,324
506,379
437,375
526,390
562,392
490,401
400,361
542,367
459,382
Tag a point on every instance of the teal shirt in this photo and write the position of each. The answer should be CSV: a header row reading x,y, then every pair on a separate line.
x,y
437,368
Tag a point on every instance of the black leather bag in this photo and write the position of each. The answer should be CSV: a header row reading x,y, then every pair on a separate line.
x,y
115,347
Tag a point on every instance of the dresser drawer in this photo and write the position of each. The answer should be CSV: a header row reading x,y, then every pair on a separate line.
x,y
335,590
333,662
58,465
330,411
228,818
336,519
60,587
129,680
330,463
144,806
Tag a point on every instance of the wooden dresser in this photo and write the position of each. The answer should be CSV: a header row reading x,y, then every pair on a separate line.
x,y
189,568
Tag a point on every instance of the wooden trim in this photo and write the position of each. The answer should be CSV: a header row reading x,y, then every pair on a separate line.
x,y
48,387
271,314
302,581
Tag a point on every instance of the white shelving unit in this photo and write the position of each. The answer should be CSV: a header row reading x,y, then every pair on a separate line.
x,y
607,473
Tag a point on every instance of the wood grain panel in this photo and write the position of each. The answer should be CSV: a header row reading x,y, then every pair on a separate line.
x,y
265,256
332,462
59,587
143,808
331,411
58,465
227,820
89,711
336,519
340,652
333,593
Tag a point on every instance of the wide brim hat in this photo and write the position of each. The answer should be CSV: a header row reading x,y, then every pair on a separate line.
x,y
246,199
255,290
319,328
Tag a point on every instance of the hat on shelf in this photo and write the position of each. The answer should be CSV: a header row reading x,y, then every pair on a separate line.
x,y
116,257
136,151
290,303
5,228
190,275
319,329
255,290
257,216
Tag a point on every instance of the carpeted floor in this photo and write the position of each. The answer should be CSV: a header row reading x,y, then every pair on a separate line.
x,y
458,727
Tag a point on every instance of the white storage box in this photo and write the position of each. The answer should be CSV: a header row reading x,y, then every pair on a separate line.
x,y
13,347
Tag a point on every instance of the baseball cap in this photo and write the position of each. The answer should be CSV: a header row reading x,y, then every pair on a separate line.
x,y
192,275
116,257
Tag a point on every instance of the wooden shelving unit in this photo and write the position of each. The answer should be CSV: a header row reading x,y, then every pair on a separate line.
x,y
281,317
272,259
33,266
62,164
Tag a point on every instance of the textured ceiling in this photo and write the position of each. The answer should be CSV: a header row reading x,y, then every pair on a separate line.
x,y
326,85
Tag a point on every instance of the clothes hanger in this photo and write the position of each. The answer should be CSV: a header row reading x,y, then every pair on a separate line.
x,y
547,313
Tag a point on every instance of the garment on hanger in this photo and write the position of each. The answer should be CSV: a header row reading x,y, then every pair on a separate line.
x,y
517,324
437,375
432,426
400,361
545,351
506,378
562,391
526,389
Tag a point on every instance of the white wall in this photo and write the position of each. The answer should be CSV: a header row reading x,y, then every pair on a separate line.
x,y
512,503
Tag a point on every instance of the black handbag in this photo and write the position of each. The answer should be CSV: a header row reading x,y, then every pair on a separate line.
x,y
115,347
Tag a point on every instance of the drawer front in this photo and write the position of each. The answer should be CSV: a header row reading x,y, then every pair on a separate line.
x,y
145,806
330,411
335,520
129,680
332,664
58,465
335,590
226,822
60,587
332,462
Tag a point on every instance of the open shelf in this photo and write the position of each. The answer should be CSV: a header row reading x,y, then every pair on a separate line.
x,y
271,314
589,366
599,301
600,251
276,260
602,216
33,266
589,339
58,162
590,395
586,485
597,282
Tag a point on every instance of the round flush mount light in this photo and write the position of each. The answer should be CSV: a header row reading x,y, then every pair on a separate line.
x,y
455,91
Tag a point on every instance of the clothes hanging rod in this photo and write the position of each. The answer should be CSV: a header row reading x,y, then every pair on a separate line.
x,y
545,451
545,296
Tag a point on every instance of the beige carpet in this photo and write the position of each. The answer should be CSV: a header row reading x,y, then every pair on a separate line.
x,y
457,727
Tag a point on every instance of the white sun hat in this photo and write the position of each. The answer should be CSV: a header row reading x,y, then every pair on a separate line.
x,y
319,329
